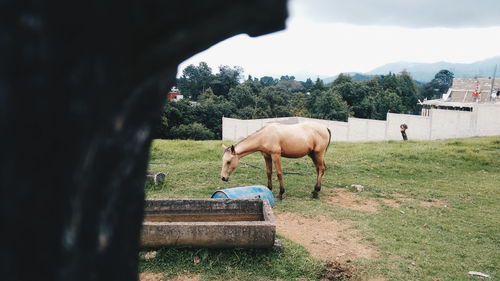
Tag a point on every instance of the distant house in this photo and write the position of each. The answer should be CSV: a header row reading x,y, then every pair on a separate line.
x,y
465,93
174,94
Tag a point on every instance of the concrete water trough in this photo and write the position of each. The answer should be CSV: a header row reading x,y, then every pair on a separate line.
x,y
214,223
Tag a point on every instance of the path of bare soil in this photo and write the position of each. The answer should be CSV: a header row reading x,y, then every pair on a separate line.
x,y
353,201
149,276
324,238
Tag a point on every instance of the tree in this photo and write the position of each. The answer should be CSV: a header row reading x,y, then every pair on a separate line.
x,y
194,131
408,92
317,90
389,82
243,95
298,105
365,108
351,92
286,77
276,101
177,112
443,79
227,78
318,85
267,81
290,85
387,101
308,84
331,106
439,85
195,79
341,79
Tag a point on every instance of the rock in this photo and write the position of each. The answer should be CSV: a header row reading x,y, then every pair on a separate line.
x,y
150,255
156,178
477,273
277,243
358,187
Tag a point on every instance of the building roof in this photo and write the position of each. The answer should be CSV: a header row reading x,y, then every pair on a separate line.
x,y
461,92
473,84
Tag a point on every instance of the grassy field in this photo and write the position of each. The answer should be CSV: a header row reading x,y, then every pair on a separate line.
x,y
415,242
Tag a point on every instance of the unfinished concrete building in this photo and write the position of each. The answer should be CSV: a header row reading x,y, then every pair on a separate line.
x,y
465,94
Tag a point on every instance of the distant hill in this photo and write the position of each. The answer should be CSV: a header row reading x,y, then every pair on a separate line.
x,y
421,72
425,72
354,75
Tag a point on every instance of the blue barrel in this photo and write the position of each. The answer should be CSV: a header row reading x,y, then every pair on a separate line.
x,y
245,192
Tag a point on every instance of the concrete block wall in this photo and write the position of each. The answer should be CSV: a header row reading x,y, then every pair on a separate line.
x,y
450,124
418,126
339,129
488,120
366,130
440,124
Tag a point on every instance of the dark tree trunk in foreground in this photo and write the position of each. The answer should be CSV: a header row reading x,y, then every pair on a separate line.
x,y
82,84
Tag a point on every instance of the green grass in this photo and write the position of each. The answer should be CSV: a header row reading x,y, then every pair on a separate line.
x,y
291,261
424,243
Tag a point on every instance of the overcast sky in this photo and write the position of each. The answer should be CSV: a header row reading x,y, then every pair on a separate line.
x,y
326,37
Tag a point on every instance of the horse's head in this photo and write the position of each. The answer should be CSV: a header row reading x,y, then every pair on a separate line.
x,y
229,162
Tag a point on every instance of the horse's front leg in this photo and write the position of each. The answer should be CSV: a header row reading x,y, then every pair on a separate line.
x,y
269,170
277,164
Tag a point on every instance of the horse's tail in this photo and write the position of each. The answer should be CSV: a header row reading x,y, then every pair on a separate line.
x,y
329,139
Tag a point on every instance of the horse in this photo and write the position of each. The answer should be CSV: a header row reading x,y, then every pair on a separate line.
x,y
276,140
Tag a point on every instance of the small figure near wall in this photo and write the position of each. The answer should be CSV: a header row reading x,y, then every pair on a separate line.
x,y
403,128
475,96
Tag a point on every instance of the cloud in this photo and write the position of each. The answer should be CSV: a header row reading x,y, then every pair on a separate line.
x,y
404,13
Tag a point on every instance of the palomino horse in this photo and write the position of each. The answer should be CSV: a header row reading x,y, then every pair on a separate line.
x,y
276,140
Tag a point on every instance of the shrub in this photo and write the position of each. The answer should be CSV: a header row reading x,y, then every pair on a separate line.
x,y
194,131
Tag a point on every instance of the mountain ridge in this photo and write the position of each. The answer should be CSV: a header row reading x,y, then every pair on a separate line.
x,y
424,72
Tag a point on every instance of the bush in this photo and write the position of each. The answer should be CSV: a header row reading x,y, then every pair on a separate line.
x,y
194,131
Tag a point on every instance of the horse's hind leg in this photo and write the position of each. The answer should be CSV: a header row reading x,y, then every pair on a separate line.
x,y
269,170
319,161
277,164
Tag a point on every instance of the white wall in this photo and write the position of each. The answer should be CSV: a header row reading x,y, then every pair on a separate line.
x,y
418,126
339,129
448,123
488,120
441,124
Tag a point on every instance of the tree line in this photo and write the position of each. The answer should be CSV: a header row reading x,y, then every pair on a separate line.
x,y
209,96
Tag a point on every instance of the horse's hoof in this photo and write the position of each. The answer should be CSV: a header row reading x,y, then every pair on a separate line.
x,y
315,195
279,197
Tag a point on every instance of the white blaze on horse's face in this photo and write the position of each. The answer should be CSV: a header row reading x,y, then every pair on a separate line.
x,y
229,162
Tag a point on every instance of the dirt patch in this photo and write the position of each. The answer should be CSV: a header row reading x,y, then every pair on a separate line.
x,y
353,201
324,238
390,202
435,203
185,277
150,276
350,200
336,271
